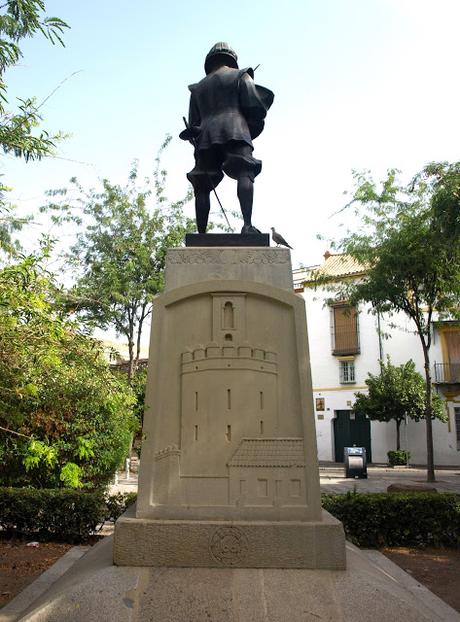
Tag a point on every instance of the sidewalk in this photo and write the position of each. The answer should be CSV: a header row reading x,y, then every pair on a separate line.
x,y
124,485
332,479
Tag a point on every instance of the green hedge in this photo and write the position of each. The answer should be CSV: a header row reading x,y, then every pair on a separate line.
x,y
57,514
397,519
370,520
51,514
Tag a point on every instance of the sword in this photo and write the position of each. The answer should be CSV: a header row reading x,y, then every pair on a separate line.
x,y
192,138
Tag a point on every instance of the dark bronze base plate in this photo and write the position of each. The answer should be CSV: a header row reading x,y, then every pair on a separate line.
x,y
227,239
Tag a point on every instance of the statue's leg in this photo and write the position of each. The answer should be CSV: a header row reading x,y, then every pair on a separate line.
x,y
240,165
245,193
202,206
204,177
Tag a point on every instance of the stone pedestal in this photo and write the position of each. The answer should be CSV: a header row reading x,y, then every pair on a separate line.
x,y
229,473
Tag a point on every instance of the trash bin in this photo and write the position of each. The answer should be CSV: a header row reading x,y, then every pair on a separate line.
x,y
355,462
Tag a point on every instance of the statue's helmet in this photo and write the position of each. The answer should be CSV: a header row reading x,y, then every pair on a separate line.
x,y
224,50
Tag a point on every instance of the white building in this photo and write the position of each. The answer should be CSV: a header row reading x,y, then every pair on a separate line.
x,y
346,344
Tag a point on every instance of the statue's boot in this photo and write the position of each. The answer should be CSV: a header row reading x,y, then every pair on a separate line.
x,y
249,229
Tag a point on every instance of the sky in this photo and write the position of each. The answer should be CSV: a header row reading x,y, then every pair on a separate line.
x,y
359,84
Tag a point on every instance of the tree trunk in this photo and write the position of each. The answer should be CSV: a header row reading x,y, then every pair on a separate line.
x,y
138,346
131,360
430,475
398,434
140,325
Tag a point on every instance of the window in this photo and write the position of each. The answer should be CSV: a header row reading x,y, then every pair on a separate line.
x,y
457,426
229,316
344,329
451,339
347,372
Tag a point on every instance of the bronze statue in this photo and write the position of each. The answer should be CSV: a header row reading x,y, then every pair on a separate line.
x,y
227,111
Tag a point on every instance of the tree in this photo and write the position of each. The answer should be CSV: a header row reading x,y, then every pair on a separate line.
x,y
65,418
395,394
409,241
22,19
18,129
120,251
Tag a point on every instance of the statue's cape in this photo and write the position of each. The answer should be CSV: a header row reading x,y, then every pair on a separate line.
x,y
255,100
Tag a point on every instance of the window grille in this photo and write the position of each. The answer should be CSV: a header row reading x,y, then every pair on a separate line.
x,y
347,372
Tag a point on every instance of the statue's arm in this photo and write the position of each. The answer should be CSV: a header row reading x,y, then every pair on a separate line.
x,y
194,118
194,122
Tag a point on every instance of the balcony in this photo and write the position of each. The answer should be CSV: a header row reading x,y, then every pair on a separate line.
x,y
447,373
345,343
344,330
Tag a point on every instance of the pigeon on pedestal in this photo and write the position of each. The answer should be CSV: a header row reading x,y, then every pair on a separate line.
x,y
278,239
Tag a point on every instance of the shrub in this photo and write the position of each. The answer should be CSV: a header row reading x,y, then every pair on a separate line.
x,y
51,514
397,519
398,458
58,514
119,503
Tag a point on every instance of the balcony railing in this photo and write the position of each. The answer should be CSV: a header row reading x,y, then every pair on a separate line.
x,y
447,373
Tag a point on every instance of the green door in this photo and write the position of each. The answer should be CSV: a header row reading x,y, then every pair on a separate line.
x,y
350,430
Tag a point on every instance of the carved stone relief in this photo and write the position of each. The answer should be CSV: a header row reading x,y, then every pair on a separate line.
x,y
228,545
226,256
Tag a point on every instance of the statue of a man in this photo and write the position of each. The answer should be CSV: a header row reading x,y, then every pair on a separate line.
x,y
227,111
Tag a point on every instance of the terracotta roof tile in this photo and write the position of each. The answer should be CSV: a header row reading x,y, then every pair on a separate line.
x,y
342,265
338,265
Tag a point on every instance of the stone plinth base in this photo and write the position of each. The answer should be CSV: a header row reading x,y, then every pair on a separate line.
x,y
190,266
235,544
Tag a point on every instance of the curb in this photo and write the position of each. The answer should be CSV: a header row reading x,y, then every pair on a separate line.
x,y
12,611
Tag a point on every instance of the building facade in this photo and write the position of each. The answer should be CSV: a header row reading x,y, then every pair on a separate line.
x,y
346,344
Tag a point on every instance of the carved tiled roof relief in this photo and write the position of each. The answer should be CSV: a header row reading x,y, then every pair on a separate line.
x,y
269,452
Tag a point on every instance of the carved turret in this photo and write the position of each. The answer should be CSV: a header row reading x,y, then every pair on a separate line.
x,y
214,356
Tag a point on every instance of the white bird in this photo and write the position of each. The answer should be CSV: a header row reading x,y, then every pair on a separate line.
x,y
278,239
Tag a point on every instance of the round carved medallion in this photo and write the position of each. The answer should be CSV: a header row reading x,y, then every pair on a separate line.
x,y
228,545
